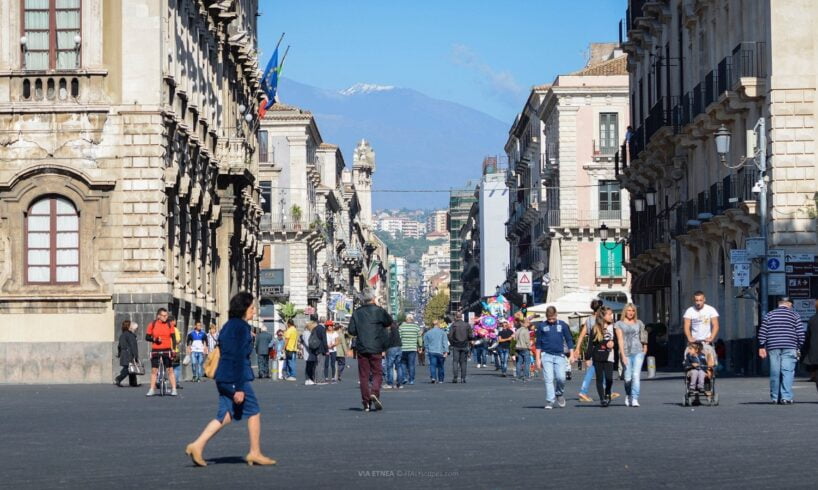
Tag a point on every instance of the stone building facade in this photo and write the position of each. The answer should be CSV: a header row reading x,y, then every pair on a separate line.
x,y
562,184
127,174
695,66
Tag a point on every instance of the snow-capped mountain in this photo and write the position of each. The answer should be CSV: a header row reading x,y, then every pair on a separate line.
x,y
419,142
365,88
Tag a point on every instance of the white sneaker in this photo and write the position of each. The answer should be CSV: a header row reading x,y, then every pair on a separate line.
x,y
291,378
627,401
173,393
150,392
635,403
309,382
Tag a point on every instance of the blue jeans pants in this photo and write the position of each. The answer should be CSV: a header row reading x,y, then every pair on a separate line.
x,y
393,356
503,353
782,371
633,373
480,354
586,381
407,363
289,364
436,365
523,356
196,360
553,370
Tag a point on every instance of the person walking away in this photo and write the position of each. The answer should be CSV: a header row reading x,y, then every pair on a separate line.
x,y
341,350
127,351
160,335
603,352
779,338
523,348
263,340
411,344
810,350
331,358
310,346
290,350
197,346
583,345
551,337
394,372
436,344
233,381
281,355
633,346
369,324
460,334
701,323
504,338
176,358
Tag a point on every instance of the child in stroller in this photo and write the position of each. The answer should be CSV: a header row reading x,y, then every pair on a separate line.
x,y
699,374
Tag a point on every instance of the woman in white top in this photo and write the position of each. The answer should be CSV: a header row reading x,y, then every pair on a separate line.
x,y
332,351
633,345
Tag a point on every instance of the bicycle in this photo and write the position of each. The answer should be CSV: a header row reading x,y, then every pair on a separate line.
x,y
161,374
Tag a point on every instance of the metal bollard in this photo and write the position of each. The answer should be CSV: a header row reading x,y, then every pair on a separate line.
x,y
651,367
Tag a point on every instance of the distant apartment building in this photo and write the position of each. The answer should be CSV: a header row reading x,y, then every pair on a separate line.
x,y
460,202
437,221
401,226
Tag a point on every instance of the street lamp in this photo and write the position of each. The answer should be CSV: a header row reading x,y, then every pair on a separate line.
x,y
639,203
650,196
722,138
603,235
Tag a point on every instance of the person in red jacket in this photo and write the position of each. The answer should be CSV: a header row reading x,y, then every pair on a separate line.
x,y
163,343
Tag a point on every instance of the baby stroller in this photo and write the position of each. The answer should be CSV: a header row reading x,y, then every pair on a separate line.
x,y
708,396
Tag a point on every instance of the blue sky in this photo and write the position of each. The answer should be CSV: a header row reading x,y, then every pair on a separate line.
x,y
480,53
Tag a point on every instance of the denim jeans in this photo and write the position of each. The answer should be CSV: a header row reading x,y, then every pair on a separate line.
x,y
289,364
393,363
436,365
633,373
329,365
196,360
523,357
408,360
586,381
503,353
480,354
782,370
553,370
263,366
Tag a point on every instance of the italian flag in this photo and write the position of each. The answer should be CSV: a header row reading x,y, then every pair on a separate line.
x,y
374,273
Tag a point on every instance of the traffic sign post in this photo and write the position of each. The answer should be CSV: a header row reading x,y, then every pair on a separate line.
x,y
741,275
525,282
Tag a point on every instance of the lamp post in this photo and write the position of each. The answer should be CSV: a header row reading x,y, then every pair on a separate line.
x,y
722,138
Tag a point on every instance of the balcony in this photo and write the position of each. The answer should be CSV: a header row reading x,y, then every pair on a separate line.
x,y
572,218
748,66
659,117
54,91
283,228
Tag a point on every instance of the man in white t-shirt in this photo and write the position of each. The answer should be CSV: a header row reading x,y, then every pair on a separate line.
x,y
701,324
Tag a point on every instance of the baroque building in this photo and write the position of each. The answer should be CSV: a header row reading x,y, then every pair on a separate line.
x,y
127,174
698,67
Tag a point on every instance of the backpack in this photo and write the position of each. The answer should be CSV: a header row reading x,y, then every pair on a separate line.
x,y
314,343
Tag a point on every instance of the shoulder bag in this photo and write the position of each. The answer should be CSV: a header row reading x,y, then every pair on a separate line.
x,y
212,362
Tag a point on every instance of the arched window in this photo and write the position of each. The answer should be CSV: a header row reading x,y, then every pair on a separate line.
x,y
52,242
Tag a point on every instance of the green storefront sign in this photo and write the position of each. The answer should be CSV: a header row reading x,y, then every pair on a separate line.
x,y
610,260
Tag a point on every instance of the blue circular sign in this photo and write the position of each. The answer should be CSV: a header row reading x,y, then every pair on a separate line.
x,y
773,264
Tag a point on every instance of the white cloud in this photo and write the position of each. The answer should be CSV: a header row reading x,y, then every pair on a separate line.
x,y
500,83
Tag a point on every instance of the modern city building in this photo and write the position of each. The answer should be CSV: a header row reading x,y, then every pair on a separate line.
x,y
128,171
437,221
698,70
460,202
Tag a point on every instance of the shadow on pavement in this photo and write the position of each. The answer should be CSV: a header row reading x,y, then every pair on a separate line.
x,y
227,460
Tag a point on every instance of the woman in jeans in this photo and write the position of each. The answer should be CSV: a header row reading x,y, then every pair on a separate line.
x,y
332,355
633,345
233,381
603,352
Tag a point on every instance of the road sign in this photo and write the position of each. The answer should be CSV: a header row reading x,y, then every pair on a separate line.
x,y
777,284
805,308
755,247
524,282
739,256
800,257
741,275
774,265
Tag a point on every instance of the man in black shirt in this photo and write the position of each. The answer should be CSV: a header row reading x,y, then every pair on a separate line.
x,y
504,345
460,334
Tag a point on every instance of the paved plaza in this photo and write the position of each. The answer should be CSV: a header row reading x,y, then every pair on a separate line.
x,y
489,433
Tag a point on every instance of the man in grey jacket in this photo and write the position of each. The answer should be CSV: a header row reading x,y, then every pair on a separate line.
x,y
263,339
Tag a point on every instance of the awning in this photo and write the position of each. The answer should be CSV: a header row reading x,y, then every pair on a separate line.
x,y
652,280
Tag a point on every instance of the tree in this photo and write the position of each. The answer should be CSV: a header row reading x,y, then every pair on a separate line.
x,y
436,308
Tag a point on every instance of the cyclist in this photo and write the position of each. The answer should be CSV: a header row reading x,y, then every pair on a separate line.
x,y
163,343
